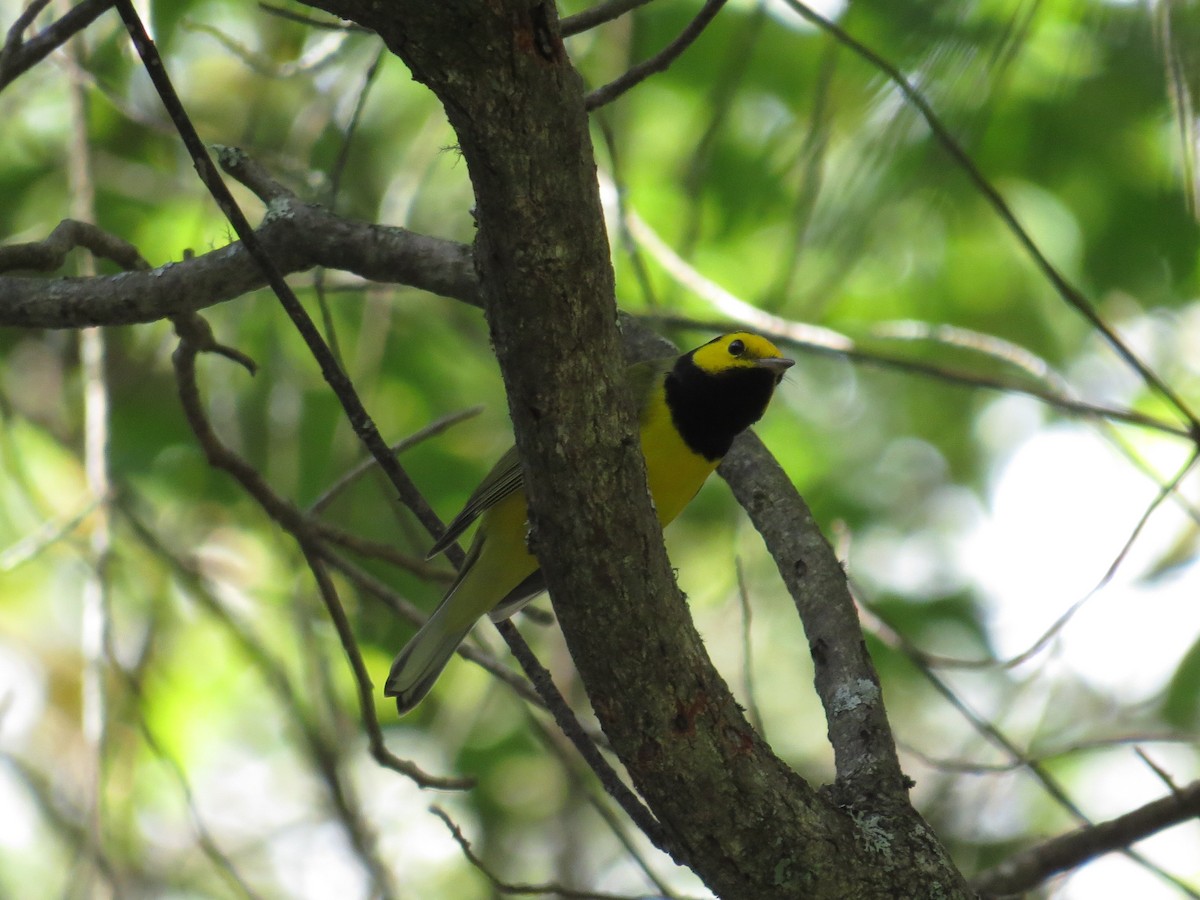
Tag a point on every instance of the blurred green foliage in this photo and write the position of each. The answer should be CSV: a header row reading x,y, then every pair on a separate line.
x,y
783,168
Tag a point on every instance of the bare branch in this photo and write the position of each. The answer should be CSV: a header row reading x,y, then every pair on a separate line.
x,y
1038,770
1065,289
209,845
863,746
335,376
885,630
16,33
382,551
1026,870
361,834
322,748
19,56
657,63
51,532
567,721
49,254
369,584
819,339
292,16
431,430
193,341
826,342
974,767
66,822
506,887
598,15
297,235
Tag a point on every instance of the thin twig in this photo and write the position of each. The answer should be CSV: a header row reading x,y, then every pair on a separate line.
x,y
1026,870
433,429
50,533
361,833
597,15
810,158
574,769
19,56
1056,627
338,381
823,346
324,53
1067,291
567,721
1040,773
507,887
724,90
325,24
335,187
974,767
657,63
752,710
64,821
208,843
96,623
372,586
868,769
50,253
616,182
383,551
324,751
990,345
1163,775
194,336
818,339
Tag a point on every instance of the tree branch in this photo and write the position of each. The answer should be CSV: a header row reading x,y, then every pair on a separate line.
x,y
19,56
297,235
1069,293
545,273
505,887
49,254
659,62
598,15
195,338
1026,870
846,681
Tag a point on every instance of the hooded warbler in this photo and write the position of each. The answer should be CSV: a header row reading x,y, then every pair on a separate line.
x,y
691,408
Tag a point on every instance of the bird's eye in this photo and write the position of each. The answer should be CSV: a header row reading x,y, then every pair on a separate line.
x,y
736,348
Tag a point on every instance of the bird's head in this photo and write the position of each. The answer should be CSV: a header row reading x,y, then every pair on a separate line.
x,y
740,350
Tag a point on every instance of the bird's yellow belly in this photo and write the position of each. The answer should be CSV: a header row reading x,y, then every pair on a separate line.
x,y
673,471
674,474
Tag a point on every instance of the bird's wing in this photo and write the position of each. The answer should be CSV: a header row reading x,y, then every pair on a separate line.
x,y
642,380
504,478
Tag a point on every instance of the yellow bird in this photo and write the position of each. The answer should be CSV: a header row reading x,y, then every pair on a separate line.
x,y
691,408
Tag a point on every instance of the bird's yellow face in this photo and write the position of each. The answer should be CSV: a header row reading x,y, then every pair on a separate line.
x,y
739,350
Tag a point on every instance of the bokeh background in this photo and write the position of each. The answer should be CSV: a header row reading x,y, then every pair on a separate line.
x,y
224,753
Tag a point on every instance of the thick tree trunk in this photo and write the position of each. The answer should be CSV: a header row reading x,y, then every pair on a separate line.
x,y
731,810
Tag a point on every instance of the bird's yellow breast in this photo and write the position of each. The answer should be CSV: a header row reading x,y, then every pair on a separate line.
x,y
675,473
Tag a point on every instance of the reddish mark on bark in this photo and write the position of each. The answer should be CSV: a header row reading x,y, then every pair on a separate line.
x,y
534,35
684,722
739,742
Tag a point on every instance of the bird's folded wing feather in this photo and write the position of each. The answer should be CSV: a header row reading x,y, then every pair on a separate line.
x,y
506,475
504,478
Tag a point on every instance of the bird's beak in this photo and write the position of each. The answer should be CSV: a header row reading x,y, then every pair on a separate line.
x,y
777,364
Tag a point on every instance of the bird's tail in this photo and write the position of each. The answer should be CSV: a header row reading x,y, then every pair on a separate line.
x,y
424,656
